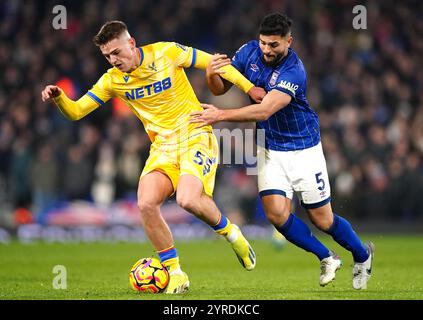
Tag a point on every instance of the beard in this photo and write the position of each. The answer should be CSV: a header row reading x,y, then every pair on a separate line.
x,y
278,58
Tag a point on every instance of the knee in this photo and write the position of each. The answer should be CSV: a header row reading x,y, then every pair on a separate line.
x,y
187,202
277,217
322,222
148,208
322,218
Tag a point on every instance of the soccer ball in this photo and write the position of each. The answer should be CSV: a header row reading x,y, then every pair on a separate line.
x,y
148,275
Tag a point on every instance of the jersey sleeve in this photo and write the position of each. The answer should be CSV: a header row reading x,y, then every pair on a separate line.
x,y
101,92
240,58
183,56
191,57
75,110
291,81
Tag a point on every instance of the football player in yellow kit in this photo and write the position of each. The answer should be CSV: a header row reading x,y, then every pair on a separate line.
x,y
183,159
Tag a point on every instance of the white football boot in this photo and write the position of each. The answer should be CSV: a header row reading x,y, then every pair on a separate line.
x,y
363,271
328,268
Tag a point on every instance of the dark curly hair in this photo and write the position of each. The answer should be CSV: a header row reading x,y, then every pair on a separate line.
x,y
275,24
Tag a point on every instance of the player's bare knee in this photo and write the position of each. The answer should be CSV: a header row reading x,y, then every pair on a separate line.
x,y
277,217
148,208
187,202
322,219
322,223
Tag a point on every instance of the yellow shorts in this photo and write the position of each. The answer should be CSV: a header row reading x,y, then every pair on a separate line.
x,y
197,155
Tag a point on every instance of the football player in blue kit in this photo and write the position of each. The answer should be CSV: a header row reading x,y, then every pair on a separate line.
x,y
290,159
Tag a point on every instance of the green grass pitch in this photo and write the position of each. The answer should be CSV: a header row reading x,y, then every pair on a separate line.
x,y
100,271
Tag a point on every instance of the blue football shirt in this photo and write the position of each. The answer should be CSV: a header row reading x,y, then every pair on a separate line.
x,y
296,126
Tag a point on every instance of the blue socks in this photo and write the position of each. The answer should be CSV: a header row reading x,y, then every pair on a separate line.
x,y
297,232
167,254
342,232
223,222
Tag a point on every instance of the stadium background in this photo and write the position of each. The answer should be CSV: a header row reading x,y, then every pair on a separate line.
x,y
366,86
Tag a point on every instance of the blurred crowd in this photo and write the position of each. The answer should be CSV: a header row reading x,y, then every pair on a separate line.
x,y
366,86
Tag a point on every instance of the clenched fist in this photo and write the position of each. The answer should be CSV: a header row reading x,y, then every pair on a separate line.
x,y
49,92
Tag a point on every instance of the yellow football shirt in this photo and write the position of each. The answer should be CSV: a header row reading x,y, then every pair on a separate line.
x,y
160,95
158,91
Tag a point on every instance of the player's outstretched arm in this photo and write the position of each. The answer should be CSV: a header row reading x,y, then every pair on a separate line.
x,y
272,102
73,110
215,82
230,74
50,92
216,69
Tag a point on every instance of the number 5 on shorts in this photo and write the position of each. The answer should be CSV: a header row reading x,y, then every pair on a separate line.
x,y
199,158
320,181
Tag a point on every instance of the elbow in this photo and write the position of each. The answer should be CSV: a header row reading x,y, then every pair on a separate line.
x,y
77,117
217,92
216,85
76,114
72,117
266,116
263,116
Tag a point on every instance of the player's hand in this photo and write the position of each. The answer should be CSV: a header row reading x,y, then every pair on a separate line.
x,y
217,61
208,116
49,92
257,94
